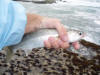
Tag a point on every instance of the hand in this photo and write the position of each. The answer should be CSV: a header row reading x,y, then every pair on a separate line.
x,y
35,22
62,41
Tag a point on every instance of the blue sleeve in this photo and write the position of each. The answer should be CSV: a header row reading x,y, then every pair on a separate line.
x,y
12,23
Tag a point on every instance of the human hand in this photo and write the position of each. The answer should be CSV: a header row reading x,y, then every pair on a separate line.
x,y
62,41
35,22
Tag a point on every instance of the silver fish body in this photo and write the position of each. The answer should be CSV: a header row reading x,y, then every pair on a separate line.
x,y
36,39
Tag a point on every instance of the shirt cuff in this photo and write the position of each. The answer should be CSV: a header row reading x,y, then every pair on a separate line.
x,y
16,25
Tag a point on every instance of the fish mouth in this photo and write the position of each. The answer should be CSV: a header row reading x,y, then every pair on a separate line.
x,y
83,35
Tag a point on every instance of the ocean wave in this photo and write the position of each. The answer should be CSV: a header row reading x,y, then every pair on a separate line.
x,y
80,2
97,22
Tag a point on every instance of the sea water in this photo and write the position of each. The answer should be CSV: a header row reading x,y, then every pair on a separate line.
x,y
82,15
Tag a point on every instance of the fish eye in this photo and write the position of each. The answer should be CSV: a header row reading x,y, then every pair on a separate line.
x,y
80,33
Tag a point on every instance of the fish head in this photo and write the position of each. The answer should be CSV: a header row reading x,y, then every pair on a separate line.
x,y
75,35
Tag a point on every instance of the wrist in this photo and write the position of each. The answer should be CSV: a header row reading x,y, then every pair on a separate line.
x,y
34,22
43,22
46,22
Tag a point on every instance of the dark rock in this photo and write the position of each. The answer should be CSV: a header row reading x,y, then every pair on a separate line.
x,y
38,1
52,62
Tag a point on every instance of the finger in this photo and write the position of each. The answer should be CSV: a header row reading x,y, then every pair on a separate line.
x,y
53,42
76,45
47,44
62,32
63,44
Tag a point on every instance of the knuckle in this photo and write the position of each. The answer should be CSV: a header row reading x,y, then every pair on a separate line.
x,y
66,45
57,21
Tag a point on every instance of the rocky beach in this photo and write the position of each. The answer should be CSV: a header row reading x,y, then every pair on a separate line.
x,y
43,61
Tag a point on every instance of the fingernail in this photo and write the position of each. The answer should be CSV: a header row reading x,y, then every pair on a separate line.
x,y
65,39
60,42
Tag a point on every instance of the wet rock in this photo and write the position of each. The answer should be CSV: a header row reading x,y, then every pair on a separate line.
x,y
3,56
38,1
44,61
24,0
44,1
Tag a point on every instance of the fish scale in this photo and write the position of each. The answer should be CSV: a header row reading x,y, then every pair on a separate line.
x,y
36,39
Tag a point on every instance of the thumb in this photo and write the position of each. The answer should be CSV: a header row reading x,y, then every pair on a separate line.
x,y
62,31
76,45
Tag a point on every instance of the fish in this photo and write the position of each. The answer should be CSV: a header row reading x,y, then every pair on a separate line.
x,y
36,39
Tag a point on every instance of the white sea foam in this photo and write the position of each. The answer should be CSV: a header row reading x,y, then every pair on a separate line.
x,y
97,22
80,2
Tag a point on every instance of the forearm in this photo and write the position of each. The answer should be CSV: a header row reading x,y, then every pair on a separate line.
x,y
33,22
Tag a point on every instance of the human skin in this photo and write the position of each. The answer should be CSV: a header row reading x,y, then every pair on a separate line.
x,y
36,22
